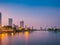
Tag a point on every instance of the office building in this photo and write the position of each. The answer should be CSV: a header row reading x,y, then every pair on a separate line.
x,y
10,21
0,19
22,24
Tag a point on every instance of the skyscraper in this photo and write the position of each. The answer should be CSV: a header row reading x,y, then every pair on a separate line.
x,y
10,21
22,24
0,19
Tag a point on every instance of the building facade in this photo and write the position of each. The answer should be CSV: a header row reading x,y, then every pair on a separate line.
x,y
10,21
0,19
22,24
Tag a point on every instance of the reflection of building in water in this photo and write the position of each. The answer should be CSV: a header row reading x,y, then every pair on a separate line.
x,y
6,39
20,34
26,36
0,39
10,38
3,38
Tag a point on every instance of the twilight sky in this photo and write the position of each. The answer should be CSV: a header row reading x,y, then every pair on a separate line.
x,y
37,13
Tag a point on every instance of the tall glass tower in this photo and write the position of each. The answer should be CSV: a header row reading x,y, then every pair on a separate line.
x,y
22,24
0,18
10,21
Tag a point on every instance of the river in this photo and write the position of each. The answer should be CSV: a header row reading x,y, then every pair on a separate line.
x,y
30,38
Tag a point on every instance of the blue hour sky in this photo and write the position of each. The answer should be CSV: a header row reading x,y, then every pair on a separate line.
x,y
37,13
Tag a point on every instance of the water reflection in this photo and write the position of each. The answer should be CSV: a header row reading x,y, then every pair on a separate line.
x,y
9,38
30,38
26,36
0,39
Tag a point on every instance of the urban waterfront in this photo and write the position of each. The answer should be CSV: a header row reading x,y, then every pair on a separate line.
x,y
30,38
29,22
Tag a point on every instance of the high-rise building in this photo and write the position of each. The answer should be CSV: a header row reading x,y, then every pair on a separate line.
x,y
22,24
10,21
0,19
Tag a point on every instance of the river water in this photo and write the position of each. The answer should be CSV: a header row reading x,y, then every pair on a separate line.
x,y
30,38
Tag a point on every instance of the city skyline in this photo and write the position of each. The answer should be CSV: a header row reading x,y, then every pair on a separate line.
x,y
34,13
29,22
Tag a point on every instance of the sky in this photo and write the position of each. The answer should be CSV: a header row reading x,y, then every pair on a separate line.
x,y
37,13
